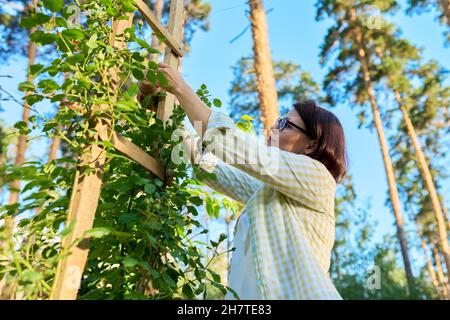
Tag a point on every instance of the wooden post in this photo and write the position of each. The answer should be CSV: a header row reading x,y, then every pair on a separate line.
x,y
83,204
171,57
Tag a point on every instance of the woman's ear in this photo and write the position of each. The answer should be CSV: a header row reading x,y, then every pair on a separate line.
x,y
310,147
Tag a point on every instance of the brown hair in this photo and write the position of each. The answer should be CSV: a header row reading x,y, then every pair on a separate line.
x,y
326,129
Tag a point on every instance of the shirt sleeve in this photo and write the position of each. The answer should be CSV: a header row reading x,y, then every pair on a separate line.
x,y
230,181
297,176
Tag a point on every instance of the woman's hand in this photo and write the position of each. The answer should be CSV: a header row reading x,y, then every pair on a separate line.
x,y
175,83
194,107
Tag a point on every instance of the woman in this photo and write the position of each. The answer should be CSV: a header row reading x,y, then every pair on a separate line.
x,y
285,235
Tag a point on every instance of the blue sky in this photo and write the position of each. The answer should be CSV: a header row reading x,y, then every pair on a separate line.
x,y
294,36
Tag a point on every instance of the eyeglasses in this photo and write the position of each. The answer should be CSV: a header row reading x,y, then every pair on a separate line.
x,y
283,122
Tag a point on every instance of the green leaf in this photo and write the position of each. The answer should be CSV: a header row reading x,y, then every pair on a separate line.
x,y
27,86
33,99
34,20
196,201
76,58
112,12
247,118
222,237
57,97
36,69
132,90
73,34
158,182
192,210
153,65
187,291
151,76
126,106
139,180
128,7
242,126
92,42
53,5
138,74
217,103
98,232
220,287
32,276
110,50
43,38
22,127
214,275
126,218
149,188
130,262
162,79
48,86
144,44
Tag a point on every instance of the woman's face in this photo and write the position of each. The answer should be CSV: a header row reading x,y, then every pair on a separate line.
x,y
291,139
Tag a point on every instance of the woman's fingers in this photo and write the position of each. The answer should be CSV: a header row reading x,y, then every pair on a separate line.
x,y
146,88
174,82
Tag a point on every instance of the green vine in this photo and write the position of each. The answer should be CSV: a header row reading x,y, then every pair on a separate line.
x,y
145,228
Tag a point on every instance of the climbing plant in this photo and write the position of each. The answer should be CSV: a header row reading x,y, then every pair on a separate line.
x,y
142,244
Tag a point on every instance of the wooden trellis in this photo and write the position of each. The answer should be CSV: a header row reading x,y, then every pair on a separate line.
x,y
87,187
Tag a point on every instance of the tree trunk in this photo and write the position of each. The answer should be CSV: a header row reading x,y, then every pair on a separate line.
x,y
429,264
22,142
431,271
5,288
267,92
54,147
440,272
429,184
392,184
446,8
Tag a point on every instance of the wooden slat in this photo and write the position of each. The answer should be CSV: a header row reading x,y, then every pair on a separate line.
x,y
133,152
83,203
82,209
158,28
175,27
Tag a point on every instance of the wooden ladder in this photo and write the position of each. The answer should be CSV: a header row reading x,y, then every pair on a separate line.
x,y
87,187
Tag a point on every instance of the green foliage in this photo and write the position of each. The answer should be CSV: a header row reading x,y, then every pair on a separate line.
x,y
142,233
357,258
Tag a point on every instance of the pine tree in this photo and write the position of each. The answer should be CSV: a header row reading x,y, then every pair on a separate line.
x,y
353,78
422,109
267,93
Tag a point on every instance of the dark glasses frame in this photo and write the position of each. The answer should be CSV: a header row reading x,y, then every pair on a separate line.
x,y
283,121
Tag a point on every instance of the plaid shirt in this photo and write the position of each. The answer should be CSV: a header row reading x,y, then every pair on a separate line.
x,y
290,203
